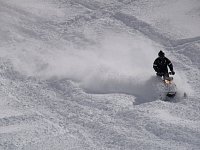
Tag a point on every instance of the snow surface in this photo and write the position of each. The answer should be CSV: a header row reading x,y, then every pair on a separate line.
x,y
77,74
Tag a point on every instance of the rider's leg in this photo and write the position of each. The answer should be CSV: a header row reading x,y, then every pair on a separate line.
x,y
159,74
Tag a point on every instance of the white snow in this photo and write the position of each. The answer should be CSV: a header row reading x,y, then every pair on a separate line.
x,y
77,74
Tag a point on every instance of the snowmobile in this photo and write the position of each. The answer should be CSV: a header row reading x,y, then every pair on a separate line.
x,y
170,89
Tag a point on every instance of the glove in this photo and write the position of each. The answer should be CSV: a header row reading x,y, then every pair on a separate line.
x,y
173,73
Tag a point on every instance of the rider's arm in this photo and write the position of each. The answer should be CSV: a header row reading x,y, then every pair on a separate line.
x,y
155,66
170,65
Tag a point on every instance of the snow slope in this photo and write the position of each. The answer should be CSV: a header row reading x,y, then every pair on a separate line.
x,y
77,74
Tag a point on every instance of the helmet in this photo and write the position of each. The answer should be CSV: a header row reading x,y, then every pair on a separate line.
x,y
161,54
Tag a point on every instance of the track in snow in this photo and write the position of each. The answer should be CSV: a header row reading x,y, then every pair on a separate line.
x,y
69,77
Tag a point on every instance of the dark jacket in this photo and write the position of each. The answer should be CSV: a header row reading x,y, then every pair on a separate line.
x,y
161,63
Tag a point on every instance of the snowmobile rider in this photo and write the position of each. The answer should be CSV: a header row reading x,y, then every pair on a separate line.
x,y
160,65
